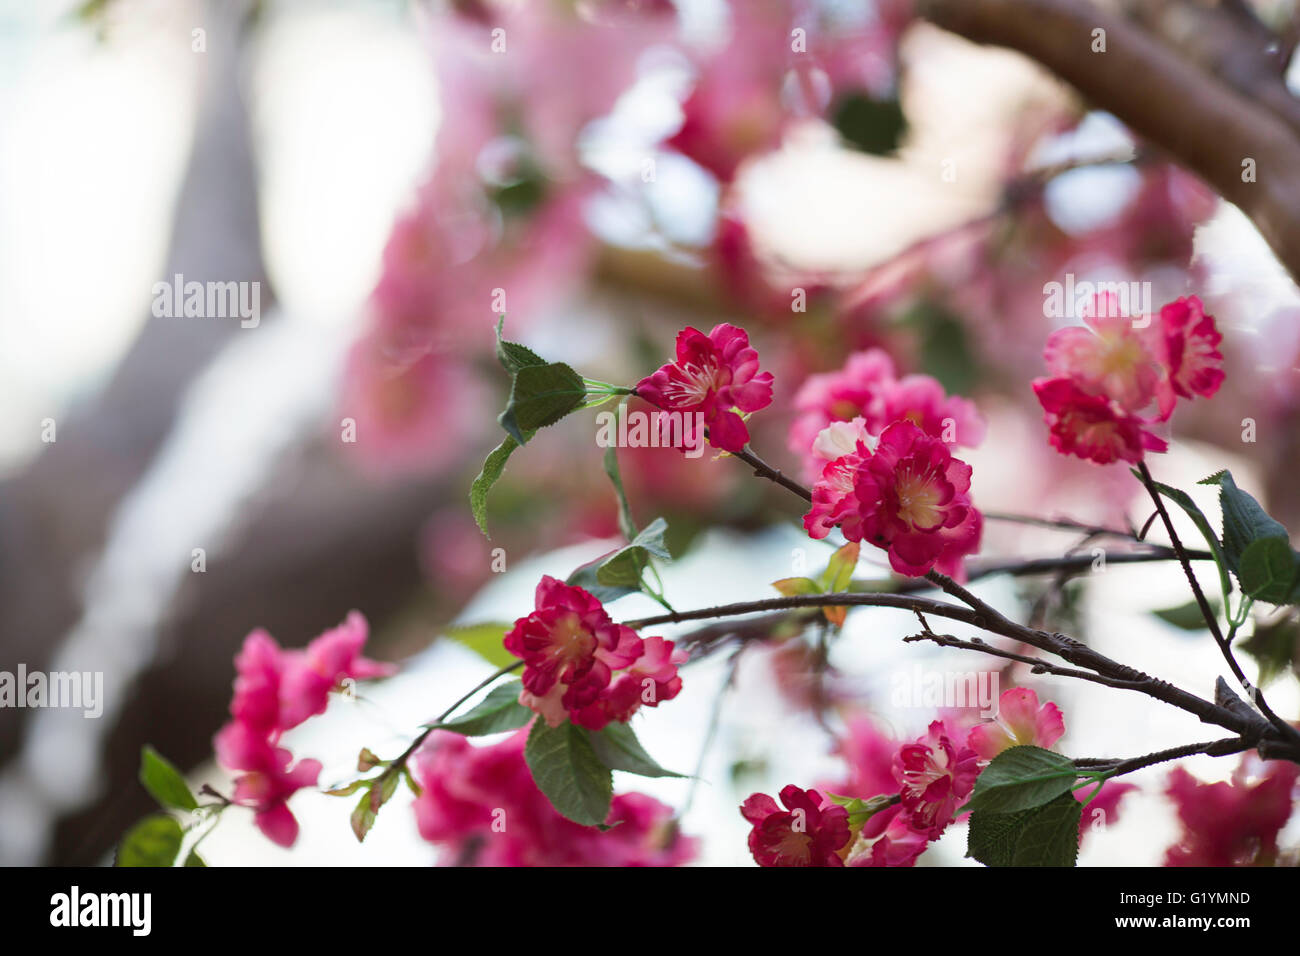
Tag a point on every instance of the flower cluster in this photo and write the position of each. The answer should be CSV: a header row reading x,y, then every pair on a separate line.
x,y
869,388
930,778
1114,378
482,804
581,666
276,690
715,377
907,495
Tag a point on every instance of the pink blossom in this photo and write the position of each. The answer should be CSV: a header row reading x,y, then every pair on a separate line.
x,y
1111,356
1019,722
1191,348
1102,810
323,666
269,780
407,404
888,839
808,832
1091,426
572,650
1108,373
936,777
867,388
734,109
482,805
1231,824
276,690
715,376
869,753
910,497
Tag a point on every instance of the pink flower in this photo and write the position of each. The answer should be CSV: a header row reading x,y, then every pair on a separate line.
x,y
572,650
1191,348
869,753
258,666
1091,426
809,832
888,839
714,375
276,690
1104,808
1108,373
735,109
1019,722
482,805
269,781
1231,824
936,777
910,497
1110,357
866,387
921,400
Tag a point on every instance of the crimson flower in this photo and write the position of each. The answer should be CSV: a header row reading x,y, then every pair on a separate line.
x,y
481,804
1190,348
269,780
1231,824
808,832
936,777
714,376
910,497
572,649
1106,373
1092,426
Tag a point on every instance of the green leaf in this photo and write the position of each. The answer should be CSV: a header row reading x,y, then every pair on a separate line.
x,y
796,587
618,749
154,841
382,790
1267,570
1021,778
1275,646
1187,616
585,577
1184,501
625,522
512,355
194,860
493,466
870,125
839,570
565,768
541,395
484,639
625,566
1050,835
992,837
363,816
500,710
1046,835
1244,520
347,789
164,782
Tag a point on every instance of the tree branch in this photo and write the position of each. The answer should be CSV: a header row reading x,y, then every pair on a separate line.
x,y
1160,94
